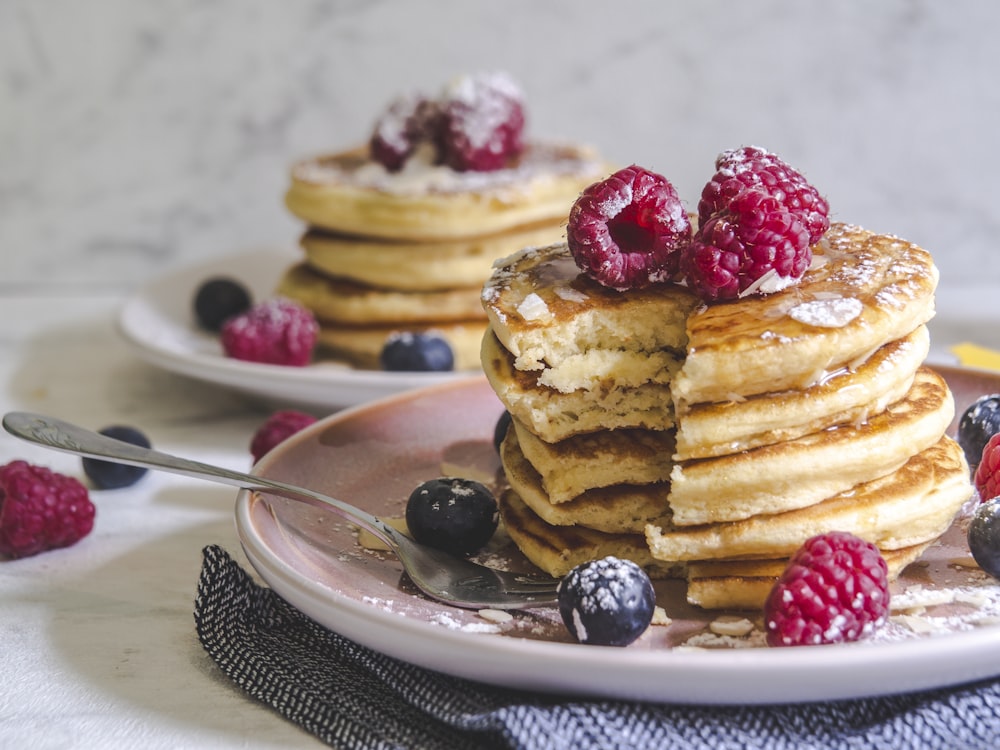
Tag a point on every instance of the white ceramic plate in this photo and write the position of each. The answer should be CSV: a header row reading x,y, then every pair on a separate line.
x,y
374,455
158,323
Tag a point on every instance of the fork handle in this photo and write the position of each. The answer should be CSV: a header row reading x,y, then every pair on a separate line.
x,y
63,436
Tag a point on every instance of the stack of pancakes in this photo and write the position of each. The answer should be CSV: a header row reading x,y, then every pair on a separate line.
x,y
710,441
409,251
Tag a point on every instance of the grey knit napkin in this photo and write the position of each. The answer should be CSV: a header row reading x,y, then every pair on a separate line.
x,y
350,696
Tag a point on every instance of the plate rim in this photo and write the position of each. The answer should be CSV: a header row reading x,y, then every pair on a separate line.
x,y
718,674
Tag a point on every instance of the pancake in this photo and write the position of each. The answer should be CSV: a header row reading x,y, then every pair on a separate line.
x,y
596,459
558,549
913,505
862,290
745,584
851,395
622,509
348,192
554,416
798,473
339,301
420,266
360,346
577,333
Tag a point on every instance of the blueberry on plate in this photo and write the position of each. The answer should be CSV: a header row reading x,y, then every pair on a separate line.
x,y
978,424
984,536
109,475
218,299
606,602
416,352
452,514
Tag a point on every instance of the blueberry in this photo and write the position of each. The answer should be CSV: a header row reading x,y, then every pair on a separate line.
x,y
984,536
607,602
108,475
978,424
500,430
452,514
219,299
416,352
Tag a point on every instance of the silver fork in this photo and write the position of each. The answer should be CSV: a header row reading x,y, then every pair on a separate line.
x,y
453,580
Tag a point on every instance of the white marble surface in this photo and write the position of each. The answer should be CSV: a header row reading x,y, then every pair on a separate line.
x,y
138,137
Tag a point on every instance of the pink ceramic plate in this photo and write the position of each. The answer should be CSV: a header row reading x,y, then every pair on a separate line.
x,y
374,455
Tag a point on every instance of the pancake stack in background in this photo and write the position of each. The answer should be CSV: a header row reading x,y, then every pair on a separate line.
x,y
709,441
402,233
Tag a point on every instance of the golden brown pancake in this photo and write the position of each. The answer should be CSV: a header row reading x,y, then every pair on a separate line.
x,y
348,192
420,266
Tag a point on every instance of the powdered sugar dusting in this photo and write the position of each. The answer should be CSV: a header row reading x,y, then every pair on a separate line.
x,y
834,312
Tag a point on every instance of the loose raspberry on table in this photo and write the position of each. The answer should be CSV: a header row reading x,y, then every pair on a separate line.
x,y
280,426
277,331
834,590
41,510
738,170
627,231
482,122
987,475
752,245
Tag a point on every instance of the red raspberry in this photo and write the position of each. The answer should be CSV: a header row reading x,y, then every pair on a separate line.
x,y
279,427
626,231
277,332
41,510
750,167
987,476
408,121
482,123
835,589
734,250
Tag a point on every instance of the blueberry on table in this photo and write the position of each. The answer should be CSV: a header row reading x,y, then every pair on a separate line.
x,y
417,352
977,425
109,475
218,299
607,602
984,536
452,514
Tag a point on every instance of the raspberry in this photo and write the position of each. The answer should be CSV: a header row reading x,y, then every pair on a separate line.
x,y
482,123
987,475
750,167
626,232
277,332
277,428
752,245
408,121
835,589
41,510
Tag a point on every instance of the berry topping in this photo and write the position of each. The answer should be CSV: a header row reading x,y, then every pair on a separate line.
x,y
607,602
482,122
978,424
416,352
626,231
409,121
500,429
835,589
277,332
986,477
279,427
108,475
41,510
452,514
751,167
219,299
752,245
984,536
